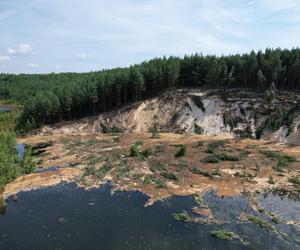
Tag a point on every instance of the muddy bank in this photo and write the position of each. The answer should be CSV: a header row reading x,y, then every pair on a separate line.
x,y
93,159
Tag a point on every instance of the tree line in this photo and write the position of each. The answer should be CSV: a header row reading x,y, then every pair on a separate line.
x,y
48,98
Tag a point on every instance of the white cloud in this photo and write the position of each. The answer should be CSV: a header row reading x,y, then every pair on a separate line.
x,y
81,55
31,65
4,59
22,49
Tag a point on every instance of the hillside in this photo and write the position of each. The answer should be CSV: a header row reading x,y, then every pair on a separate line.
x,y
240,114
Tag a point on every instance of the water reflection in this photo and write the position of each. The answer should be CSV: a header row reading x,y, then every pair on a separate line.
x,y
67,217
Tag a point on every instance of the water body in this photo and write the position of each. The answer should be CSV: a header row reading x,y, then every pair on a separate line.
x,y
20,150
67,217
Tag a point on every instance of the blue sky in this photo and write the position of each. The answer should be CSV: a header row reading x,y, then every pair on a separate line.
x,y
84,35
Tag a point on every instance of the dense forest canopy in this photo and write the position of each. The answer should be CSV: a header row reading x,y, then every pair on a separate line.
x,y
48,98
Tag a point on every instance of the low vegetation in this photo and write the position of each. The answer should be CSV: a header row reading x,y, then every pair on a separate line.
x,y
224,235
184,217
282,160
169,176
182,150
152,179
261,223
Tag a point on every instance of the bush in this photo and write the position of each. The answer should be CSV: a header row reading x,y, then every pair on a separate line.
x,y
224,235
261,223
213,146
181,152
27,163
184,217
134,150
9,162
146,153
226,157
211,159
169,176
271,180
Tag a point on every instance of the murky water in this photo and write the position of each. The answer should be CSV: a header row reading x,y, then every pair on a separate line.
x,y
67,217
20,150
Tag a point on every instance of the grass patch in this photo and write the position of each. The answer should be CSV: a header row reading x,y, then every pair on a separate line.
x,y
261,223
124,170
224,235
103,171
152,179
283,160
89,170
184,217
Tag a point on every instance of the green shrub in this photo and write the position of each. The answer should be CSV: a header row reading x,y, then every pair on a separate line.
x,y
134,150
27,164
198,199
184,217
213,146
9,161
169,176
146,153
271,180
226,157
224,235
181,152
211,159
261,223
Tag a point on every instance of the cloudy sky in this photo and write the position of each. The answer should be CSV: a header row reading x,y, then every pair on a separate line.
x,y
85,35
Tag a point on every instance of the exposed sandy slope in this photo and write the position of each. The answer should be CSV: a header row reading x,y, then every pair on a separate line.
x,y
175,111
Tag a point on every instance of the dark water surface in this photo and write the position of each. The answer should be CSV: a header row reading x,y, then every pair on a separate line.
x,y
67,217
